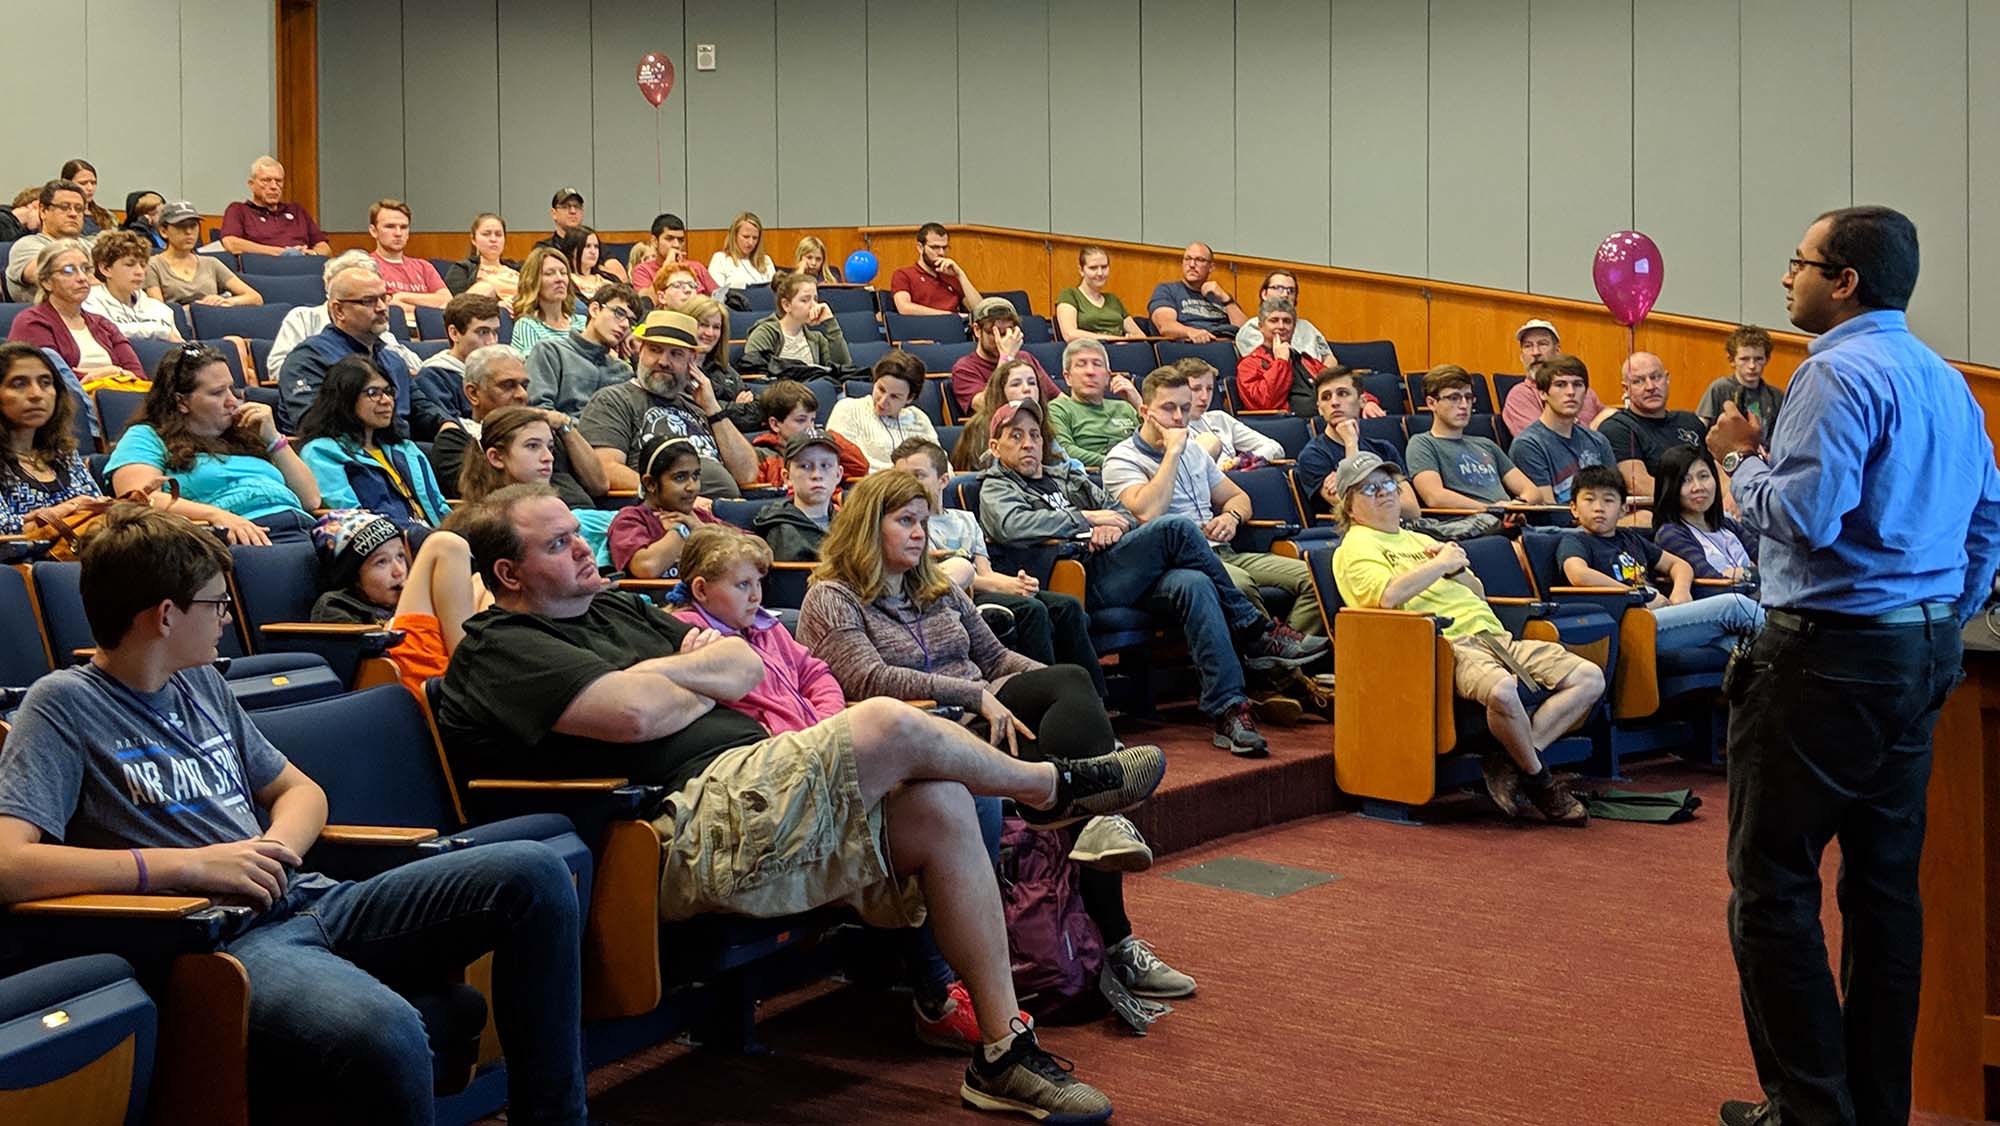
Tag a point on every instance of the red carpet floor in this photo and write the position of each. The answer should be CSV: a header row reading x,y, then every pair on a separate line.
x,y
1468,972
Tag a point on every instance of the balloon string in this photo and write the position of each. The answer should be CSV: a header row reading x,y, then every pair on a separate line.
x,y
659,164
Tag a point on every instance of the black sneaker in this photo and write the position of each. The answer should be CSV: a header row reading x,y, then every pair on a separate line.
x,y
1236,733
1027,1080
1737,1112
1283,645
1113,783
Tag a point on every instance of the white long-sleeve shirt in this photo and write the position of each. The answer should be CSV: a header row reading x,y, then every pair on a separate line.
x,y
145,318
1236,437
855,420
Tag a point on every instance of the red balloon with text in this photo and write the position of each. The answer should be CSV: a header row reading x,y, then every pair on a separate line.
x,y
656,77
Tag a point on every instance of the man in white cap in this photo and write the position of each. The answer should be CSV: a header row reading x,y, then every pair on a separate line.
x,y
1381,565
1539,340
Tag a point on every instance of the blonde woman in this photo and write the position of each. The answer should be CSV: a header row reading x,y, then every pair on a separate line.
x,y
543,307
1086,310
483,270
742,263
810,259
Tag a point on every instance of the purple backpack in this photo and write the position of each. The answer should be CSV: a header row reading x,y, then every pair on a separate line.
x,y
1056,951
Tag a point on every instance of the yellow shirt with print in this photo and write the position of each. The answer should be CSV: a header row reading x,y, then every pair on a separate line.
x,y
1367,560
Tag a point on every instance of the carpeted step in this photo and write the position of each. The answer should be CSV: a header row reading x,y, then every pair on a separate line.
x,y
1209,793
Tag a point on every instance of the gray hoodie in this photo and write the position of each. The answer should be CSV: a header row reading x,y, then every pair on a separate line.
x,y
565,371
1012,510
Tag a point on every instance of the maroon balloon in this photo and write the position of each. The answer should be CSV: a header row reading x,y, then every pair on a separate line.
x,y
656,77
1628,273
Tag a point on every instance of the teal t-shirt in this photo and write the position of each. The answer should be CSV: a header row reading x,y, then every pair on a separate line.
x,y
1109,320
251,487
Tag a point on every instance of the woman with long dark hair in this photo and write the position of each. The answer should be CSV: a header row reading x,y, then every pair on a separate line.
x,y
41,474
225,455
360,453
1688,520
484,269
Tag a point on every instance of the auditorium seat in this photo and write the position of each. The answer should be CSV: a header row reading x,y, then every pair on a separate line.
x,y
281,265
867,352
1037,330
1390,428
741,321
25,657
1218,354
1286,430
1136,358
8,311
77,1043
839,298
937,358
1018,298
117,409
281,289
253,321
938,328
275,587
859,326
1387,387
1366,355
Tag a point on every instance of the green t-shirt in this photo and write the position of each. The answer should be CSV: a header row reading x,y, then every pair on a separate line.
x,y
1109,319
1088,432
1367,561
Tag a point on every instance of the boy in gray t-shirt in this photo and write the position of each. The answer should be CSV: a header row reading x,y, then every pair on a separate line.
x,y
140,773
1474,468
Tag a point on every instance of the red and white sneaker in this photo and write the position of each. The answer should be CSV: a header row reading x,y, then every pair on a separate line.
x,y
958,1029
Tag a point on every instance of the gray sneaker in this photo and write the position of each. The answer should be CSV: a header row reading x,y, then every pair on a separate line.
x,y
1112,844
1027,1080
1143,973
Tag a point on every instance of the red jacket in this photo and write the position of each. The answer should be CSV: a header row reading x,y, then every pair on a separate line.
x,y
43,327
1264,382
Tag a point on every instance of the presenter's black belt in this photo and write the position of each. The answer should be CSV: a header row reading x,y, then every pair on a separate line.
x,y
1799,621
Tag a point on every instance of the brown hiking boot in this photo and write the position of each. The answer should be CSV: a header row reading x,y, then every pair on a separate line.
x,y
1558,805
1503,783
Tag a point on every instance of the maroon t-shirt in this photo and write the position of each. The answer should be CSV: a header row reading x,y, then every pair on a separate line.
x,y
972,371
944,294
284,225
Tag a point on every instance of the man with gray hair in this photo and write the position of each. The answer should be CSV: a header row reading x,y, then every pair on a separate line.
x,y
496,376
310,320
266,223
1306,336
1101,408
62,207
357,306
1277,374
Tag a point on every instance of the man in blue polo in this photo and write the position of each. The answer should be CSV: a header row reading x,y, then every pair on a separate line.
x,y
1879,524
357,307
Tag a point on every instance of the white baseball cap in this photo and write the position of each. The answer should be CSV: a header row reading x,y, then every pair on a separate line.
x,y
1537,324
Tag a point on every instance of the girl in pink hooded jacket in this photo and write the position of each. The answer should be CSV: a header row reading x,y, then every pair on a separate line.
x,y
722,588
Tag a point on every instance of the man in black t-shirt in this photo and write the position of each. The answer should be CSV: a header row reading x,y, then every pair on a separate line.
x,y
1645,429
564,676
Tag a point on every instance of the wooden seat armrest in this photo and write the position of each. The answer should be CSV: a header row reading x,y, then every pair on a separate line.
x,y
322,629
1511,600
648,586
129,906
1429,511
385,835
621,494
604,785
1596,591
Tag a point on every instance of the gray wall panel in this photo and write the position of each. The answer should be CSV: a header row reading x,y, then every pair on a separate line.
x,y
1909,144
228,107
1579,138
912,113
37,144
1283,128
360,112
1381,98
1094,118
544,130
134,141
638,154
1983,176
1796,138
1188,80
1688,184
1479,142
451,113
1003,112
732,112
822,115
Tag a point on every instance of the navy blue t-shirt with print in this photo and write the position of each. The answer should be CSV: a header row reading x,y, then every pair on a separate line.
x,y
1625,555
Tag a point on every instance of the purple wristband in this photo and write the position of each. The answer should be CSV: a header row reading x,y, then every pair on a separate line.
x,y
141,862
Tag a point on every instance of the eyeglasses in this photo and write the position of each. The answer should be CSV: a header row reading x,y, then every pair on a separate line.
x,y
72,208
378,301
224,605
70,270
378,392
1274,287
1453,397
1195,258
623,314
1794,266
1377,490
683,283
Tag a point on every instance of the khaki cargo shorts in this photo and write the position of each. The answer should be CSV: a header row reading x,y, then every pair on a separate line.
x,y
778,828
1479,670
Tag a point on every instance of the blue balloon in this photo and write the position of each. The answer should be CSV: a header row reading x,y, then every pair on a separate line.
x,y
861,267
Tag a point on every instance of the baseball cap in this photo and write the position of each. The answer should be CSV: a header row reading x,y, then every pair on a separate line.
x,y
806,439
564,195
1356,469
1009,411
179,211
993,308
1537,323
667,327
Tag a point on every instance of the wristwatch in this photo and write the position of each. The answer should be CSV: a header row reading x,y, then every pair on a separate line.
x,y
1733,459
718,416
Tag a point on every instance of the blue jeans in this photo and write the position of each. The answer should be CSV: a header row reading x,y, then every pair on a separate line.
x,y
320,1010
1715,622
1167,566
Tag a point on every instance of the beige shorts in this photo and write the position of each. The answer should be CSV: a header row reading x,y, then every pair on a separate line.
x,y
778,828
1479,670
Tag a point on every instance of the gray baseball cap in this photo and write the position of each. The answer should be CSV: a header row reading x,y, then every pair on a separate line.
x,y
1356,469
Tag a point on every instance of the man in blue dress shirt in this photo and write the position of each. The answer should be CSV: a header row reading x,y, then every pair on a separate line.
x,y
1878,504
